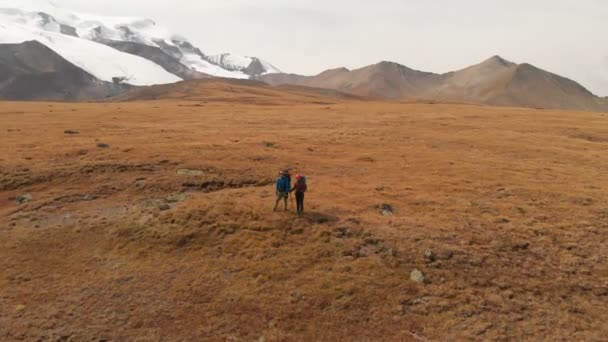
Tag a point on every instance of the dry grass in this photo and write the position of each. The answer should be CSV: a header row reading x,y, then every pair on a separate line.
x,y
512,203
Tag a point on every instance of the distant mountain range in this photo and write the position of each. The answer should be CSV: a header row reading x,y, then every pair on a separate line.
x,y
495,81
136,50
48,53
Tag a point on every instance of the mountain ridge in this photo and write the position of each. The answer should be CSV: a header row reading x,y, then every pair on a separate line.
x,y
494,81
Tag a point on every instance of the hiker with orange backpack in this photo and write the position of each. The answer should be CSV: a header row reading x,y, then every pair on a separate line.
x,y
300,188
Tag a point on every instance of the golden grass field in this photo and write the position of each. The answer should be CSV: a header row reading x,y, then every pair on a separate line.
x,y
512,203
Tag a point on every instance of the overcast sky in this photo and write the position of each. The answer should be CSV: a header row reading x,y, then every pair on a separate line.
x,y
568,37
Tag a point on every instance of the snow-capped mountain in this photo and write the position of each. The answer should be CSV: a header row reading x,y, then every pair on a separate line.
x,y
134,50
248,65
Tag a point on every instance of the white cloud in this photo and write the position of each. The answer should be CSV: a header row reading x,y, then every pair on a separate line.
x,y
563,36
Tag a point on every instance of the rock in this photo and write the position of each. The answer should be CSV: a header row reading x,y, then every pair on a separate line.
x,y
417,276
102,145
71,132
391,252
429,256
342,232
521,246
386,210
82,152
22,199
176,198
190,172
164,207
502,220
20,307
446,255
366,159
401,309
89,197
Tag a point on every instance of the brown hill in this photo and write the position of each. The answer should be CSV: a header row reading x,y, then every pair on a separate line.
x,y
500,82
384,80
495,81
233,90
32,71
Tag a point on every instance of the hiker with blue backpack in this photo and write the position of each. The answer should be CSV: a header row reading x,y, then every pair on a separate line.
x,y
300,188
283,188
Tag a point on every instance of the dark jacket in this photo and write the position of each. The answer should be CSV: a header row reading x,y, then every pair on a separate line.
x,y
299,186
283,184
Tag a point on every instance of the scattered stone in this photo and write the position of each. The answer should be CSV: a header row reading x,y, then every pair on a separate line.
x,y
89,197
82,152
446,255
371,241
417,276
71,132
22,199
386,210
190,172
342,232
522,246
402,309
269,144
20,307
164,207
391,252
366,159
102,145
502,220
176,198
296,297
429,256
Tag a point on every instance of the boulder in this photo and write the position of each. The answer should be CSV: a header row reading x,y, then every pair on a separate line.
x,y
386,210
417,276
190,172
22,199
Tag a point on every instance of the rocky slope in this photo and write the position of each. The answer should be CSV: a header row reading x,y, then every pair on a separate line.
x,y
32,71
